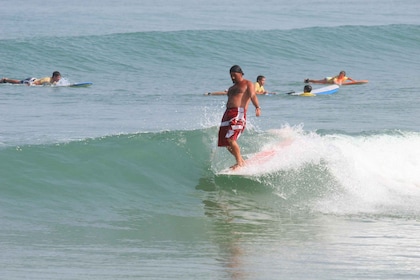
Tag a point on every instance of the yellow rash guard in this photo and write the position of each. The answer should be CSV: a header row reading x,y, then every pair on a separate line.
x,y
258,88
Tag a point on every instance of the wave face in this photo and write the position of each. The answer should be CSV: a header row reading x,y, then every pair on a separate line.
x,y
328,173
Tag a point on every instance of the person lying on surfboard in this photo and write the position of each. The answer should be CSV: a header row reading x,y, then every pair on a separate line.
x,y
55,77
338,80
234,119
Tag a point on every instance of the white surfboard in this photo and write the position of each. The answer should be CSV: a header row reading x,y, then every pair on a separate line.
x,y
257,163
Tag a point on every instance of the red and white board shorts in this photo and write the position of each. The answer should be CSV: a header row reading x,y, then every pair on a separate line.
x,y
232,125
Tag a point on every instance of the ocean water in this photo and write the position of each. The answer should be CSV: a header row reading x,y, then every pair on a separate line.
x,y
122,179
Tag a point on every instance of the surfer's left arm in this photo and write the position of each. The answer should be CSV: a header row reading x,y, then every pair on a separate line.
x,y
255,102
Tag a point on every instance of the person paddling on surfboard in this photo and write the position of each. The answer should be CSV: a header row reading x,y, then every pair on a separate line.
x,y
338,80
234,119
55,77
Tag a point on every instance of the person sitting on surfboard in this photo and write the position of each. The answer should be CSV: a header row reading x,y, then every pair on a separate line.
x,y
55,77
338,80
307,91
259,85
234,119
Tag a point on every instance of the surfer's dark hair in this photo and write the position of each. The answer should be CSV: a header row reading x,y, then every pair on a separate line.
x,y
236,69
260,77
56,73
307,88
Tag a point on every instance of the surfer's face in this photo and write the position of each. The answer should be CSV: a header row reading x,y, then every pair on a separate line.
x,y
56,78
234,76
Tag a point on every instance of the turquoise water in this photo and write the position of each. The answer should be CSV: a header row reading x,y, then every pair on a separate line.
x,y
123,179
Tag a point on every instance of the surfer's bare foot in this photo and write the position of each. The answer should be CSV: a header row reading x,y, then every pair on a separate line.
x,y
235,166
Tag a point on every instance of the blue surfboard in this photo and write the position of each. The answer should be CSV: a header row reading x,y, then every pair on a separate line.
x,y
84,84
321,91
